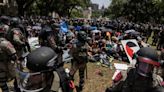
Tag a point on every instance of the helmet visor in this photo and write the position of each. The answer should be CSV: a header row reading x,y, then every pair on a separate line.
x,y
145,69
30,82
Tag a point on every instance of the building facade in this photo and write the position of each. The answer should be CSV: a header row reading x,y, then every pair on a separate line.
x,y
87,13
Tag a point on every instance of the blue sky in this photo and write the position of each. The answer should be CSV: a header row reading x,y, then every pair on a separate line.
x,y
106,3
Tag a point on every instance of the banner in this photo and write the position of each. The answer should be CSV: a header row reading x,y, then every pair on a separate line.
x,y
130,46
34,42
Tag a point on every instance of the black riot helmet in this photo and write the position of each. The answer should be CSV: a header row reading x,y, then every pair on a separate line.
x,y
4,20
147,58
82,36
15,21
39,69
41,59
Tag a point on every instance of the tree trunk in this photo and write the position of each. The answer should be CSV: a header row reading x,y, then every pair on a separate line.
x,y
20,10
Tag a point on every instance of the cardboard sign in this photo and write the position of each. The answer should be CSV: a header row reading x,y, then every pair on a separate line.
x,y
119,66
34,42
130,46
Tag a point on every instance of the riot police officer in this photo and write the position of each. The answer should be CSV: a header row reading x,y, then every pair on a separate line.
x,y
5,21
15,36
48,37
79,52
142,78
7,56
42,73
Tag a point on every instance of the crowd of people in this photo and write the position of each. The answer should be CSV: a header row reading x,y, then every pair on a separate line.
x,y
41,69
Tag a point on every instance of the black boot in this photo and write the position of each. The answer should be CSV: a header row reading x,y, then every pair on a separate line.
x,y
81,84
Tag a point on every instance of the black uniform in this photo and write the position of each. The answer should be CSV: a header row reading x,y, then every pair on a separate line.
x,y
141,78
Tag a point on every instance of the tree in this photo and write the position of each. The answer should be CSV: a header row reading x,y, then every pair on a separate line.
x,y
23,5
96,14
140,10
45,6
76,13
115,9
137,10
68,5
62,7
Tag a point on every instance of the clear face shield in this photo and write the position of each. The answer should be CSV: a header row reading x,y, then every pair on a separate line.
x,y
29,81
145,69
146,66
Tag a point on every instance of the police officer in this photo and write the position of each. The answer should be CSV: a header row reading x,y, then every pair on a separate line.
x,y
79,53
25,34
5,21
48,37
16,36
142,78
7,56
42,73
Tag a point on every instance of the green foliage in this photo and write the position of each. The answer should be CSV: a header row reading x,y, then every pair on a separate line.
x,y
115,8
23,5
76,13
137,10
62,7
96,14
44,7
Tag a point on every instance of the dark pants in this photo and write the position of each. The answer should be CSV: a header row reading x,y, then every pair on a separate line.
x,y
81,66
3,81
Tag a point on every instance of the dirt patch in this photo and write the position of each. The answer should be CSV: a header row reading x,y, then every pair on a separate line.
x,y
99,78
